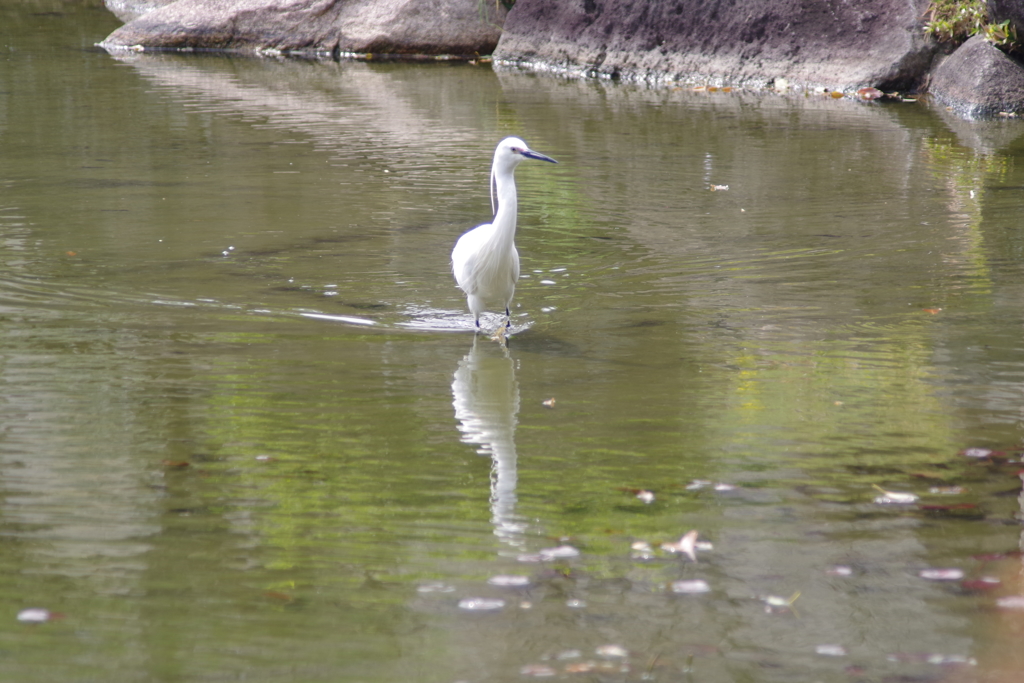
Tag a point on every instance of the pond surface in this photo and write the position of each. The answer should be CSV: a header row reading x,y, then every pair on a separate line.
x,y
246,431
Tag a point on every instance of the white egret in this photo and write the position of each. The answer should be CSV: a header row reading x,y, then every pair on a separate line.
x,y
485,261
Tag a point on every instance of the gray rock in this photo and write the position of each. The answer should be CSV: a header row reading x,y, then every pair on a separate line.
x,y
1007,10
979,81
462,27
809,43
127,10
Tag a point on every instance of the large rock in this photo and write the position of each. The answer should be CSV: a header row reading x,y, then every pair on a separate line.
x,y
842,45
979,81
129,10
462,27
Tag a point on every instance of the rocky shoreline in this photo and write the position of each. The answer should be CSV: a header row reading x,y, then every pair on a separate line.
x,y
833,46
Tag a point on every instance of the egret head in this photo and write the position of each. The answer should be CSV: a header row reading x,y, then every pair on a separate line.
x,y
511,151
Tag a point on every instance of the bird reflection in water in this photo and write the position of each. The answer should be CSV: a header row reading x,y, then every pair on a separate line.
x,y
486,399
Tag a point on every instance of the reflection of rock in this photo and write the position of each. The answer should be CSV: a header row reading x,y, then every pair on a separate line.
x,y
985,137
979,81
836,44
317,26
486,399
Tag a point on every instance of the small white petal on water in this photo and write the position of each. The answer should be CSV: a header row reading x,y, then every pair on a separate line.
x,y
481,604
894,497
537,671
561,552
34,615
946,490
509,580
435,587
611,651
831,650
1014,602
945,660
839,570
568,654
576,604
645,497
691,586
939,574
977,452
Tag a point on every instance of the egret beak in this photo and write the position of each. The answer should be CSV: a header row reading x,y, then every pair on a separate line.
x,y
530,154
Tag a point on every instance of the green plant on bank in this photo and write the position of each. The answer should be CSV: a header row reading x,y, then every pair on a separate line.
x,y
1003,35
954,21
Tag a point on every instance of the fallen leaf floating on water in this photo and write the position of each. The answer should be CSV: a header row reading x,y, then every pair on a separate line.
x,y
548,403
869,93
278,595
537,671
941,574
580,667
774,603
995,557
719,188
643,495
686,545
984,583
176,464
894,497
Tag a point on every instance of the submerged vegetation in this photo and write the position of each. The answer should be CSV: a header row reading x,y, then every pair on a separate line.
x,y
954,21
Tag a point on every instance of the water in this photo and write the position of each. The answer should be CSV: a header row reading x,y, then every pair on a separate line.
x,y
246,432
